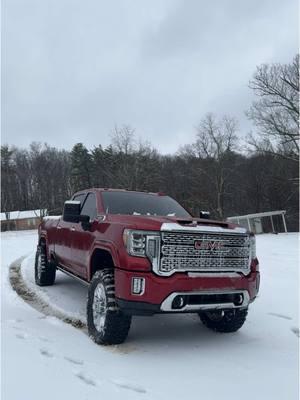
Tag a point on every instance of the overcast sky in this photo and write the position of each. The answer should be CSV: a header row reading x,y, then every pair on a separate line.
x,y
72,69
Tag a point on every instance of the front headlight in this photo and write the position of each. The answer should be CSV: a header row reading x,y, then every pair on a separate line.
x,y
135,242
142,243
252,247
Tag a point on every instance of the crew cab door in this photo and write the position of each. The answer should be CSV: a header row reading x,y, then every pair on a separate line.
x,y
63,238
82,241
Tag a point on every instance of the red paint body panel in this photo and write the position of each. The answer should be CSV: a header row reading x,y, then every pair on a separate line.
x,y
73,248
157,288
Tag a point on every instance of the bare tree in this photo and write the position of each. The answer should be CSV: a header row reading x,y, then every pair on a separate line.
x,y
276,112
123,139
216,142
215,138
134,160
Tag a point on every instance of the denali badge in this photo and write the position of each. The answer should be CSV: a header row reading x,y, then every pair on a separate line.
x,y
208,245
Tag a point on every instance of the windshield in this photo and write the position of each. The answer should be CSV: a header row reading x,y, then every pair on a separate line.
x,y
130,203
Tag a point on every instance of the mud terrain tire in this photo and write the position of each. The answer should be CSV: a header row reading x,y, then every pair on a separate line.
x,y
107,324
44,271
225,321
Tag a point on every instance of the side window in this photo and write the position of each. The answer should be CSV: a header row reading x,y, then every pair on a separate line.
x,y
80,197
89,207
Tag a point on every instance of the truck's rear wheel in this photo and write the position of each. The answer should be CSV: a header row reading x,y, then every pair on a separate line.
x,y
44,271
224,321
106,322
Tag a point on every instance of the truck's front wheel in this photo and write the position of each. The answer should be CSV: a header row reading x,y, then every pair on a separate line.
x,y
107,324
224,321
44,270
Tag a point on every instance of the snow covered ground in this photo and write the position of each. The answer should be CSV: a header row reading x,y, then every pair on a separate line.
x,y
165,357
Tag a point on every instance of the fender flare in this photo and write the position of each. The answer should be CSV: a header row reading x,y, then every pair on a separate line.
x,y
43,236
107,246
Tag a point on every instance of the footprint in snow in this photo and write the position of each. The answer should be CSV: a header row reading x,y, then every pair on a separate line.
x,y
86,379
12,322
296,331
280,316
21,335
46,353
16,320
129,386
17,328
74,361
44,339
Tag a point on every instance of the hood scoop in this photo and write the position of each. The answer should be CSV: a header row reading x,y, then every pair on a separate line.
x,y
196,222
187,222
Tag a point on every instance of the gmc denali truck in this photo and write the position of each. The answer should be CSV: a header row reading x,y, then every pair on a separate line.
x,y
143,253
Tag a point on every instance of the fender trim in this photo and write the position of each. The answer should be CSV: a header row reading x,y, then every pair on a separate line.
x,y
106,246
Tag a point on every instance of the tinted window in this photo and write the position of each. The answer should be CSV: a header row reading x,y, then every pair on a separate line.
x,y
141,204
89,206
80,197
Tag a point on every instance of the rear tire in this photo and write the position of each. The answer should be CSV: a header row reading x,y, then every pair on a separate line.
x,y
224,321
107,324
44,270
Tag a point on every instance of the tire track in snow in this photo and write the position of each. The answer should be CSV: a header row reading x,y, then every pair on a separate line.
x,y
280,315
20,287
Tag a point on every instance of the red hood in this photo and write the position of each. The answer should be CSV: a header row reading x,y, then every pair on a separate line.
x,y
151,223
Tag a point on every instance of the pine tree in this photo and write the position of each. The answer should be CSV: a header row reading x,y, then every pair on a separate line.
x,y
8,180
81,167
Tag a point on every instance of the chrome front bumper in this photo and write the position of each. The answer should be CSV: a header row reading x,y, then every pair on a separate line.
x,y
205,300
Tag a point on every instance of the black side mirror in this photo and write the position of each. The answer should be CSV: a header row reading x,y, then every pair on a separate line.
x,y
85,222
71,211
205,214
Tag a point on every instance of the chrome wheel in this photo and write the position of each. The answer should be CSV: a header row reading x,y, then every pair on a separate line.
x,y
99,307
39,265
106,322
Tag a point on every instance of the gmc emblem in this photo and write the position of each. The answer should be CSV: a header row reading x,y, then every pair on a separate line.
x,y
208,245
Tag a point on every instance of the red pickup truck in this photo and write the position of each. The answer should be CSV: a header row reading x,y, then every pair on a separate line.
x,y
143,253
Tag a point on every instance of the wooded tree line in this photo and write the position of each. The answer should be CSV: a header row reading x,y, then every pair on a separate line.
x,y
213,173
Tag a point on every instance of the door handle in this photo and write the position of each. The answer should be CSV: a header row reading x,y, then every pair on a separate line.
x,y
72,229
59,227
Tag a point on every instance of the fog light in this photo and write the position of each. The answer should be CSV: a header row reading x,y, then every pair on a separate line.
x,y
138,286
239,300
179,302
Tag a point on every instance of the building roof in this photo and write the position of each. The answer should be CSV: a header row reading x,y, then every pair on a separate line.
x,y
257,215
13,215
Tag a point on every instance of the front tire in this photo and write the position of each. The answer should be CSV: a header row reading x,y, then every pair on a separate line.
x,y
44,271
107,324
224,321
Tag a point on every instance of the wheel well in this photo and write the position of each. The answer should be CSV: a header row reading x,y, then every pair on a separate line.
x,y
42,241
100,259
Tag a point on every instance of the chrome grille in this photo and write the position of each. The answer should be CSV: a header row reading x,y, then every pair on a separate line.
x,y
178,252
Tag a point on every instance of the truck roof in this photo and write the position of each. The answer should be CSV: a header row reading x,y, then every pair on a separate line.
x,y
118,190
